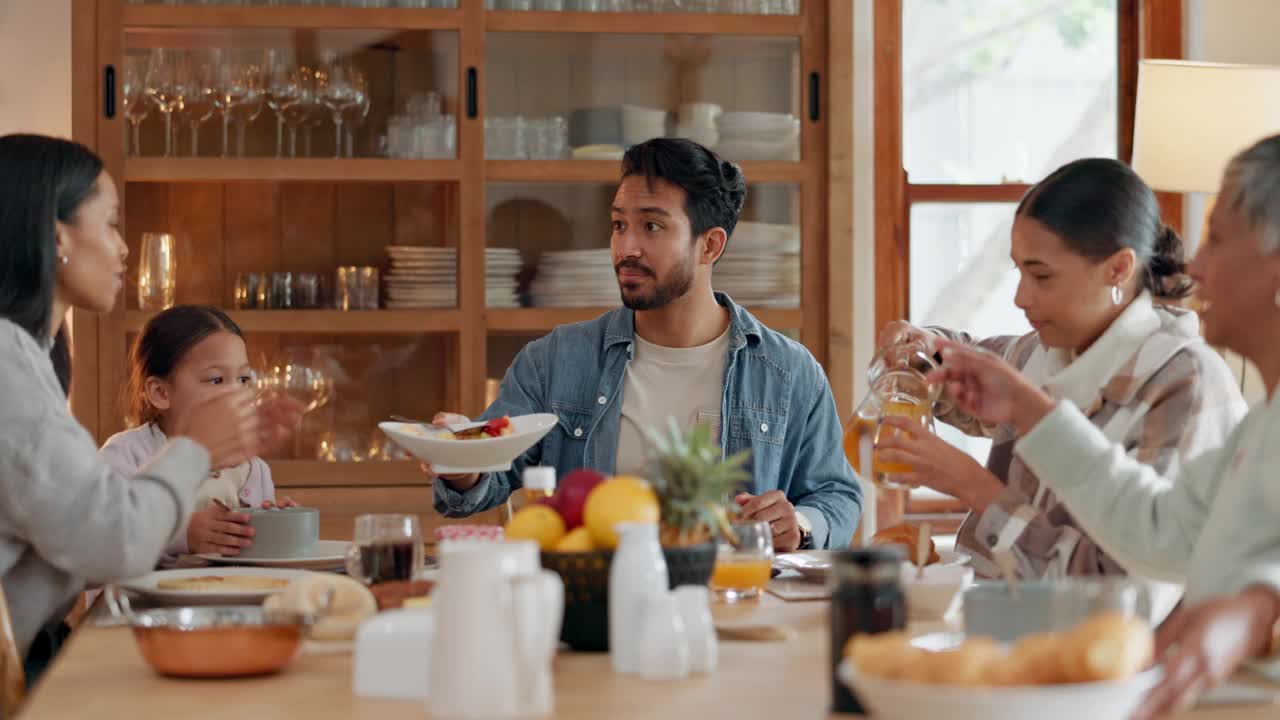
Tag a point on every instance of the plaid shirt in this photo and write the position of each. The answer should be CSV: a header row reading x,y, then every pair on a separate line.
x,y
1172,400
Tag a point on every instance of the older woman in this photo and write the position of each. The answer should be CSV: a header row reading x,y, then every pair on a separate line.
x,y
1216,528
1098,269
66,518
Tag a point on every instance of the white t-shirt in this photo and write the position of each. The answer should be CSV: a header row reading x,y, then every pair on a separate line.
x,y
662,382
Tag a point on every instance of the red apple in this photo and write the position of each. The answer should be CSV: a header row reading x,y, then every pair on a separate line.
x,y
572,494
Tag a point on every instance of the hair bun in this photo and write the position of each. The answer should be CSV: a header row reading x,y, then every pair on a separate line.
x,y
1167,269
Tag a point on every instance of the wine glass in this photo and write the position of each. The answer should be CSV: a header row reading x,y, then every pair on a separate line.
x,y
136,104
340,87
303,112
160,84
307,386
284,89
239,93
353,119
195,81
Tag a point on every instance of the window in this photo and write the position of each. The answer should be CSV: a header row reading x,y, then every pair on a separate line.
x,y
975,101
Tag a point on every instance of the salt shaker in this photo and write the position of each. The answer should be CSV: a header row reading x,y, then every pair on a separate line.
x,y
638,573
663,642
693,602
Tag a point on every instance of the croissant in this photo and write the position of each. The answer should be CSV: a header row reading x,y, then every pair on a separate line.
x,y
907,536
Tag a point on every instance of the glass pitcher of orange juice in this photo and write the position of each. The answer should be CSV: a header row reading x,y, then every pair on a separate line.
x,y
899,386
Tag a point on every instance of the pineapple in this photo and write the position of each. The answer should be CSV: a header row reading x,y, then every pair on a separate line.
x,y
694,485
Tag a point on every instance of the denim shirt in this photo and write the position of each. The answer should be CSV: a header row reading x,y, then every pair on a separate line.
x,y
776,401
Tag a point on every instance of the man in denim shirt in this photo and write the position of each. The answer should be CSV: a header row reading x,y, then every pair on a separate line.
x,y
678,349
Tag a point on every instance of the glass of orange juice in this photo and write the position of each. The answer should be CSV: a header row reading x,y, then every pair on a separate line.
x,y
743,562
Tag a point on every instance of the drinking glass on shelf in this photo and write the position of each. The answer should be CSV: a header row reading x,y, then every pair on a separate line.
x,y
251,291
137,106
305,111
353,119
341,88
238,97
157,271
160,84
195,83
743,562
281,297
306,385
385,548
284,88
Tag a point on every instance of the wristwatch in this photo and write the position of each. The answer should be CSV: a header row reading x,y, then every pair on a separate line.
x,y
806,531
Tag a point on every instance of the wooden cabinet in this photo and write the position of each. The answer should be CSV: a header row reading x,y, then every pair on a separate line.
x,y
259,212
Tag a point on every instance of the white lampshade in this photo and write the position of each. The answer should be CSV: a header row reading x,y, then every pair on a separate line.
x,y
1192,118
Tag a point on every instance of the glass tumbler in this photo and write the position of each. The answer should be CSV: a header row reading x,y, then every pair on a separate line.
x,y
157,271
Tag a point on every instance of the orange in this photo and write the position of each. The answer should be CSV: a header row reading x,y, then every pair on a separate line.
x,y
622,499
536,522
578,540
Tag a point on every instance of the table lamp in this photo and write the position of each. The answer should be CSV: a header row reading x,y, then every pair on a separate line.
x,y
1193,117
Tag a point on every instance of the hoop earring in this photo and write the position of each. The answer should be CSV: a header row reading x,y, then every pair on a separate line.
x,y
1117,295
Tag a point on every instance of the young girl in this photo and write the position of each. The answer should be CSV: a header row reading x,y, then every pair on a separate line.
x,y
184,355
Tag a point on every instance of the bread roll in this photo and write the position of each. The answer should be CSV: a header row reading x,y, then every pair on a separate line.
x,y
1034,660
1108,646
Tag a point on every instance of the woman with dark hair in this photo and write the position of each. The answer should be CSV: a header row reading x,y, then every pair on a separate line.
x,y
66,518
1097,267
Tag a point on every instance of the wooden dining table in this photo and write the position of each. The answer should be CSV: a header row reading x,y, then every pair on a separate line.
x,y
101,675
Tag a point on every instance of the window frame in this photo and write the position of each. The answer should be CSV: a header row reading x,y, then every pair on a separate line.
x,y
1145,29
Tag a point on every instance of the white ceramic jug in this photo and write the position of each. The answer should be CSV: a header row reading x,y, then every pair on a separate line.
x,y
498,616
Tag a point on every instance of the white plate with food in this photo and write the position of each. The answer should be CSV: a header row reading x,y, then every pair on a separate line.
x,y
488,449
815,564
326,555
212,586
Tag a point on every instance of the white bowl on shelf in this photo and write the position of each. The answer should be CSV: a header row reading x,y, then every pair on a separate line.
x,y
737,150
457,457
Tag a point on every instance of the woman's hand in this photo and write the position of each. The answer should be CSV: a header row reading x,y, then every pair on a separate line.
x,y
233,428
284,502
988,389
219,532
1201,646
936,464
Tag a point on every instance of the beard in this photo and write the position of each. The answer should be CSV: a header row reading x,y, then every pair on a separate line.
x,y
666,290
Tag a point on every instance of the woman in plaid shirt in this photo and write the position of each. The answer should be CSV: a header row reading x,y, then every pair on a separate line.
x,y
1096,266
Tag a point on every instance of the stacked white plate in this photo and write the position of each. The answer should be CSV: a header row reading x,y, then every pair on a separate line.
x,y
427,277
761,266
576,278
758,136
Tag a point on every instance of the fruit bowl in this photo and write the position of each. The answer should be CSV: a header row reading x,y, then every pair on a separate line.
x,y
586,588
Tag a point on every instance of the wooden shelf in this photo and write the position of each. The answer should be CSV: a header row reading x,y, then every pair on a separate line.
x,y
318,473
330,322
188,16
581,171
539,320
643,23
149,169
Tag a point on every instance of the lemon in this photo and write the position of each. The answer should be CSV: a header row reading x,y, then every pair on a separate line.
x,y
578,540
623,499
539,523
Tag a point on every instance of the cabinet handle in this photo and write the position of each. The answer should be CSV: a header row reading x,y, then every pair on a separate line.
x,y
815,96
473,100
109,91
